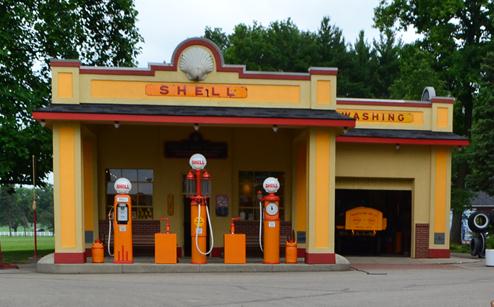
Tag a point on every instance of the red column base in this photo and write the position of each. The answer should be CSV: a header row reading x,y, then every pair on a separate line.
x,y
320,258
68,258
439,253
300,252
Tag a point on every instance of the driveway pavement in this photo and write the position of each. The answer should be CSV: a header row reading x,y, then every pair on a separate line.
x,y
378,284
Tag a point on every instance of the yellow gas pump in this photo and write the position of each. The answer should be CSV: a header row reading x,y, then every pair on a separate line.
x,y
122,223
270,220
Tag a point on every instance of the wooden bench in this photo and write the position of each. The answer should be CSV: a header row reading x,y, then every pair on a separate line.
x,y
251,231
142,234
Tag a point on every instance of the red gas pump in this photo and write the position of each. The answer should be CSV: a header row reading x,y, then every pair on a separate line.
x,y
198,189
122,223
271,223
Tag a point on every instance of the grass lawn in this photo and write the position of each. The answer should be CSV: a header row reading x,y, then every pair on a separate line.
x,y
21,249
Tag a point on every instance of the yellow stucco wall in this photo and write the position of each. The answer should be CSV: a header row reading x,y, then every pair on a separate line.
x,y
143,146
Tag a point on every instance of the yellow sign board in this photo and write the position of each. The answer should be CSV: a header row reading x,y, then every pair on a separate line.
x,y
364,219
378,116
196,90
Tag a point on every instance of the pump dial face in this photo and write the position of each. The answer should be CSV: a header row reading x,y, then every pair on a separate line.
x,y
272,208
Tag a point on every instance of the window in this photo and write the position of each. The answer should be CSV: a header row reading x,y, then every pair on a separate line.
x,y
249,184
141,193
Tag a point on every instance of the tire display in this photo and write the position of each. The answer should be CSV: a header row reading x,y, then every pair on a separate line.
x,y
478,222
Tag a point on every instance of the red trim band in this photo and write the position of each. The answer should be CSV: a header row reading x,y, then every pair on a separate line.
x,y
443,100
297,122
323,258
376,140
383,103
64,63
439,253
68,258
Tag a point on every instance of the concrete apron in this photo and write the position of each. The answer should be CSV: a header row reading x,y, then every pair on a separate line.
x,y
146,265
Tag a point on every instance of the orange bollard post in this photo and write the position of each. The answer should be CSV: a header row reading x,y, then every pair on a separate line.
x,y
97,252
291,249
234,246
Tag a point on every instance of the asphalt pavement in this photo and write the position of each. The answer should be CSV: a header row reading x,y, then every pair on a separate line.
x,y
467,283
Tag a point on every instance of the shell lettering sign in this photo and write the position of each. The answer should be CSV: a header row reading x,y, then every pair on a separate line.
x,y
196,90
364,219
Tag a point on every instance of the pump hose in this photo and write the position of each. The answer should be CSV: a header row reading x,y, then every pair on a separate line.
x,y
109,231
210,231
260,226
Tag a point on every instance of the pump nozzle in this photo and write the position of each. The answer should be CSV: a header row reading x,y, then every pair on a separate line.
x,y
167,223
232,224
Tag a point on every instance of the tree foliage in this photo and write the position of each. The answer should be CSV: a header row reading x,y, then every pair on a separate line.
x,y
33,31
16,206
363,68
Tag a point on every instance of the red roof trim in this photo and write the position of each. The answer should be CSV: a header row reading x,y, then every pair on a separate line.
x,y
442,100
384,103
64,63
375,140
296,122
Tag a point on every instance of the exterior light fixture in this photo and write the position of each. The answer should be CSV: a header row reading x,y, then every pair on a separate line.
x,y
397,146
116,125
275,128
42,123
196,127
345,130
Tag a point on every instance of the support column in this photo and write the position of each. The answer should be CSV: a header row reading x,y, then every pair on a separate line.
x,y
90,196
440,203
68,194
321,188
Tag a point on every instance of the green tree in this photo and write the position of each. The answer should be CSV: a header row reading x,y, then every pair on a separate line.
x,y
13,211
45,206
455,36
362,74
481,177
387,51
33,31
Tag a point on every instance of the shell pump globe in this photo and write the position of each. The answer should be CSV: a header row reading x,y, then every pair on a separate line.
x,y
122,186
271,185
197,161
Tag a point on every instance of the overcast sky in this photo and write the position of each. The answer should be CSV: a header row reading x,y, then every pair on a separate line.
x,y
164,24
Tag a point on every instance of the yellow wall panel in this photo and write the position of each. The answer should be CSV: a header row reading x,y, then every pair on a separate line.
x,y
65,85
323,92
440,186
67,187
442,117
322,189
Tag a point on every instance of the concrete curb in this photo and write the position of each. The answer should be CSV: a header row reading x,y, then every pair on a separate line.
x,y
47,265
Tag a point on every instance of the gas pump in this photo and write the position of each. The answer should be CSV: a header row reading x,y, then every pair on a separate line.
x,y
198,189
270,221
122,223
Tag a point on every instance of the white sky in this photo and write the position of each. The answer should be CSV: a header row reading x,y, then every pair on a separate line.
x,y
164,24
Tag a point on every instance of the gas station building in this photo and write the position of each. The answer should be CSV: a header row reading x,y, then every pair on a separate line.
x,y
330,154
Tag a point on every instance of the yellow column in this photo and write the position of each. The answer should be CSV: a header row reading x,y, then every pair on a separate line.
x,y
90,190
321,185
440,203
68,199
299,195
